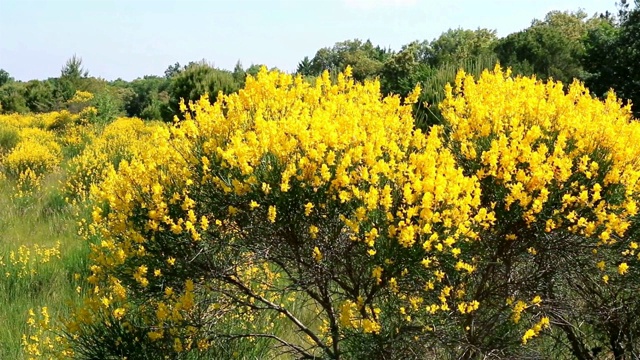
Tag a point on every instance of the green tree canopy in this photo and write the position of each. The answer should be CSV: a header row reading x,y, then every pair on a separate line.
x,y
549,48
12,98
456,46
39,96
365,59
4,77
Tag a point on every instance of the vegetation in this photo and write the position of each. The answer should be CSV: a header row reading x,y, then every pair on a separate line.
x,y
468,197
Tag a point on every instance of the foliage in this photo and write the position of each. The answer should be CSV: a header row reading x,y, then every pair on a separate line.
x,y
149,99
365,59
4,77
629,43
12,98
611,55
71,75
403,71
172,70
456,46
601,54
550,48
108,107
39,96
305,67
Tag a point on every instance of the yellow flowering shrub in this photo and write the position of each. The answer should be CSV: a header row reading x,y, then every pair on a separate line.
x,y
76,138
321,193
559,169
58,120
37,151
87,115
21,121
53,120
81,96
119,140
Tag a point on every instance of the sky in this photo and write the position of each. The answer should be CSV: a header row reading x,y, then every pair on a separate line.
x,y
131,38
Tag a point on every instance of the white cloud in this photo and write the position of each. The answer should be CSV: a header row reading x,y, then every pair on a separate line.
x,y
371,4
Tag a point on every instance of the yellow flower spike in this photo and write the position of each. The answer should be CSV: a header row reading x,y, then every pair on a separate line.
x,y
272,214
377,274
317,255
313,231
536,300
308,208
348,71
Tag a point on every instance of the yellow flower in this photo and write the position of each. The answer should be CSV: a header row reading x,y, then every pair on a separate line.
x,y
177,345
155,335
623,268
118,313
370,326
536,300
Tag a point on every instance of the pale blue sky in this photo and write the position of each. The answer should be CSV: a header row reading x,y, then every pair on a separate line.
x,y
132,38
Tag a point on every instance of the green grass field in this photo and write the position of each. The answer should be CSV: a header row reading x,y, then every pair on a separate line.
x,y
31,279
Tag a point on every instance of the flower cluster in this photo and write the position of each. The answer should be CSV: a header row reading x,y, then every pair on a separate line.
x,y
42,341
24,261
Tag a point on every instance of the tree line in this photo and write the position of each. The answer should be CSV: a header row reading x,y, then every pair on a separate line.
x,y
602,50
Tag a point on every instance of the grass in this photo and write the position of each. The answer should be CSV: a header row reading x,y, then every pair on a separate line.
x,y
40,220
